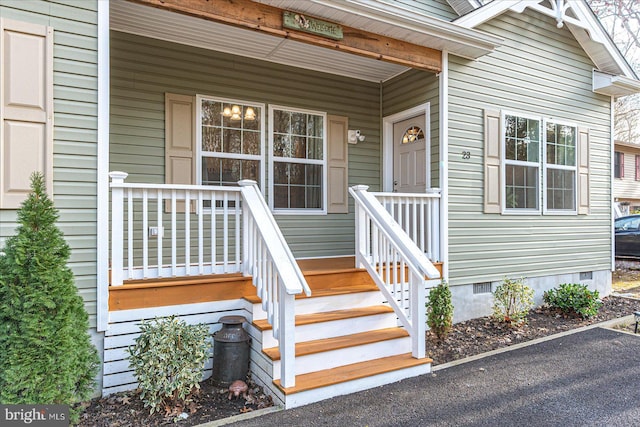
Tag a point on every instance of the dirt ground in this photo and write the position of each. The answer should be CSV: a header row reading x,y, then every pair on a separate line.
x,y
626,278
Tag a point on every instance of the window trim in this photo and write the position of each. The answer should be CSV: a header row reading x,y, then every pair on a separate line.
x,y
573,168
272,160
637,167
199,152
504,161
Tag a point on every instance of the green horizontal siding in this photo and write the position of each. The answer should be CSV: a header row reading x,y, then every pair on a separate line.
x,y
143,70
540,70
75,73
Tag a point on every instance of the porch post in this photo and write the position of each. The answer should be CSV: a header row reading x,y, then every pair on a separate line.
x,y
418,316
117,226
434,232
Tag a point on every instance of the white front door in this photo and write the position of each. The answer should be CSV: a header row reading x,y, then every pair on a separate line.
x,y
410,155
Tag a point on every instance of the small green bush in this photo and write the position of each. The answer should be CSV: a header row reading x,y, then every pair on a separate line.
x,y
440,310
168,358
512,301
574,298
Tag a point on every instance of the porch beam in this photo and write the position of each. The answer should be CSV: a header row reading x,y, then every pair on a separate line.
x,y
268,19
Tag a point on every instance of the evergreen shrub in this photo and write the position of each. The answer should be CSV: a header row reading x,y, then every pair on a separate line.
x,y
440,310
46,355
168,358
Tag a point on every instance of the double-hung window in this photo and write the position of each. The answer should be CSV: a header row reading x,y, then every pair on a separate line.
x,y
522,163
560,167
231,140
297,177
540,158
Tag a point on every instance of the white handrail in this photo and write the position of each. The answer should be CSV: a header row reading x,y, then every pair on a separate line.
x,y
276,275
397,265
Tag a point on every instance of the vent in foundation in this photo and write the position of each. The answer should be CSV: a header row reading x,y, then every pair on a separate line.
x,y
482,288
586,275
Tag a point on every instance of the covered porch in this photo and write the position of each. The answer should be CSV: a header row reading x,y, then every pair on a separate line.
x,y
203,228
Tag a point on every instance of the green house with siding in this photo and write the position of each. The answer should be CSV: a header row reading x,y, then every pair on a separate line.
x,y
313,166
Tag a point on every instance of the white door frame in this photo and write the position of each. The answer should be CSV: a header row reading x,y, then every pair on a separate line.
x,y
387,142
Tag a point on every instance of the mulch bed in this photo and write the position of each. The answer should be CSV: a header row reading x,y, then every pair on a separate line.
x,y
465,339
485,334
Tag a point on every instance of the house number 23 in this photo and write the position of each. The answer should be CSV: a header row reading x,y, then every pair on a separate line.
x,y
466,155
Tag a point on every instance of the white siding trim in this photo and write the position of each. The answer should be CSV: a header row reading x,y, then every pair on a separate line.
x,y
612,148
102,232
444,165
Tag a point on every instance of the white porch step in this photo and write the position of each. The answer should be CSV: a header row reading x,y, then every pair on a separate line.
x,y
329,324
352,378
323,300
344,350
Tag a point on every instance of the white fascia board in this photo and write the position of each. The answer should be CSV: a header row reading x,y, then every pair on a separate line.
x,y
460,38
617,86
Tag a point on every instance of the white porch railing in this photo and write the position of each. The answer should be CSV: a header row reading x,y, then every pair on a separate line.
x,y
419,217
169,230
395,262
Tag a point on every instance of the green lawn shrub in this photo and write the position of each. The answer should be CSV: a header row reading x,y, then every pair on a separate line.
x,y
168,358
440,310
512,301
574,298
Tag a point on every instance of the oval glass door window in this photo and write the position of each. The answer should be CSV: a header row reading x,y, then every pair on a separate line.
x,y
412,135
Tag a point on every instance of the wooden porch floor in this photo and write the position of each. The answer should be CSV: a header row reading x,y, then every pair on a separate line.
x,y
321,273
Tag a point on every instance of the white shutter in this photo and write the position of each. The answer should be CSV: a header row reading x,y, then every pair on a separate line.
x,y
337,161
492,182
26,113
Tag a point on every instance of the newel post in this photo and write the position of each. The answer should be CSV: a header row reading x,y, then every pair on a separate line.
x,y
117,226
361,227
286,337
247,234
418,316
434,231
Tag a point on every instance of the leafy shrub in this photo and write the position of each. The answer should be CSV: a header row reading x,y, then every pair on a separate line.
x,y
168,358
512,301
440,310
574,298
46,354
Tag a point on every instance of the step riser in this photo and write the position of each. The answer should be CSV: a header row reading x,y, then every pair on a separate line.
x,y
327,303
353,386
346,356
335,328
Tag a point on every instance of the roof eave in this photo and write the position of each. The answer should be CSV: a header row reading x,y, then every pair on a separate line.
x,y
612,85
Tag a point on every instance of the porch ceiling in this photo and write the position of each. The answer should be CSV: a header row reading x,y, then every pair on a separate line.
x,y
173,27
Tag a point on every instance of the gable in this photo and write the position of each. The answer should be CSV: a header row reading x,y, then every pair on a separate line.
x,y
577,17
